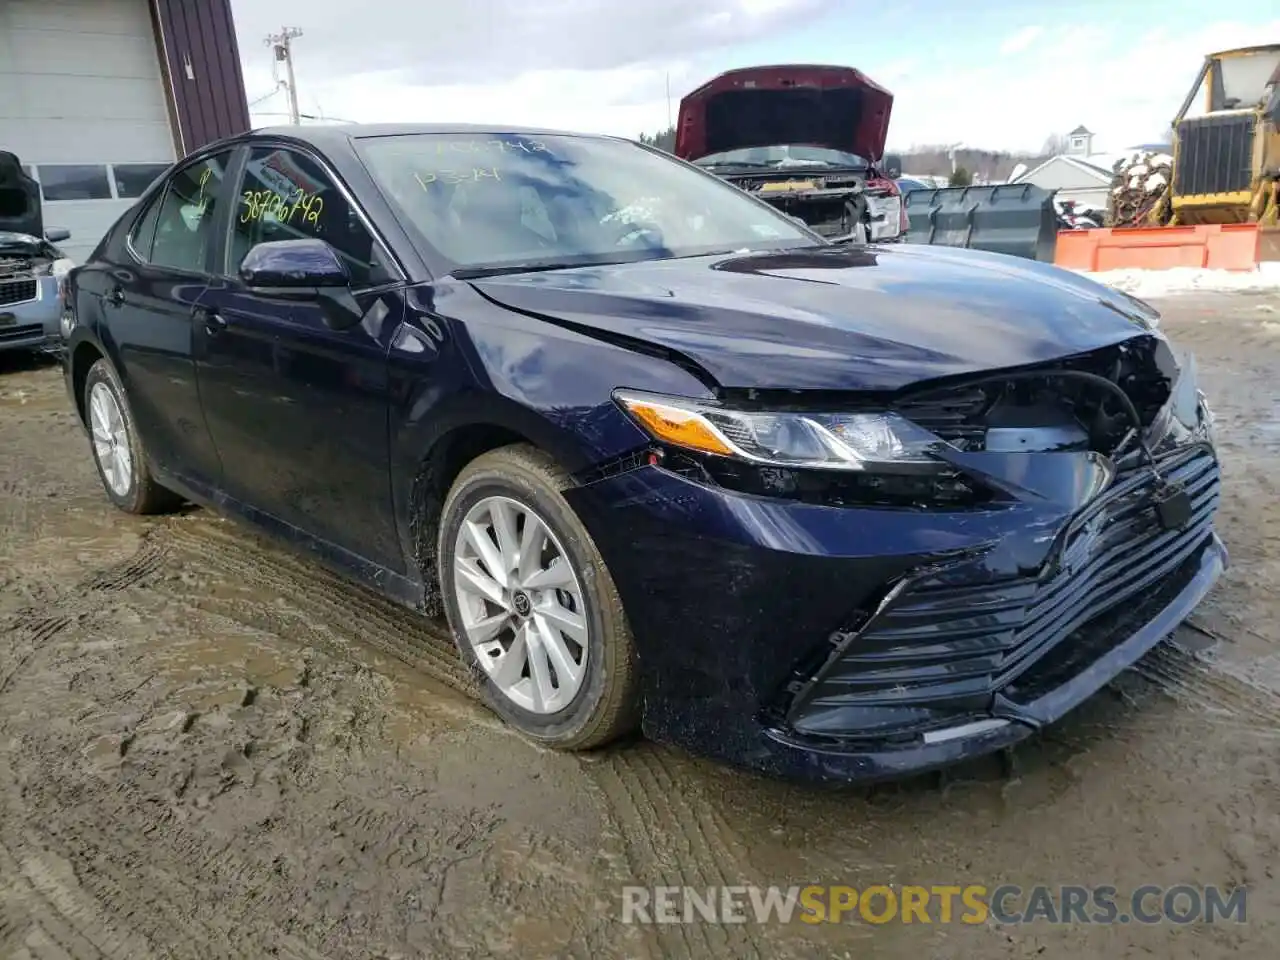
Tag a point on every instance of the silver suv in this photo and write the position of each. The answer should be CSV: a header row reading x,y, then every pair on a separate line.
x,y
31,266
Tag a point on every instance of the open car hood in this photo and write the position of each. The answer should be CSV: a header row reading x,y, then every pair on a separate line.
x,y
834,107
19,199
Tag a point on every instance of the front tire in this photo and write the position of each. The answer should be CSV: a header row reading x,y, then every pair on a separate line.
x,y
118,452
531,603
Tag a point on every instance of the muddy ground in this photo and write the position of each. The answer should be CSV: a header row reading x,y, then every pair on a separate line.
x,y
211,748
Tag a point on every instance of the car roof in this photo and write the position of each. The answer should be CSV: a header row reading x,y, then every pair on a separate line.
x,y
324,136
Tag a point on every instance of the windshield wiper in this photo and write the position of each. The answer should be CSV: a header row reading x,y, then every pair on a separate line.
x,y
497,269
478,270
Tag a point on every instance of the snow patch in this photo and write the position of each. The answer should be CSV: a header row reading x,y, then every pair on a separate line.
x,y
1164,283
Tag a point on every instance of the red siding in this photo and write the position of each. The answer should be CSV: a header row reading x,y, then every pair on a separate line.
x,y
202,65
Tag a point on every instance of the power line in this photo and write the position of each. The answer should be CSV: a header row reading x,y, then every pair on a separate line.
x,y
263,98
282,46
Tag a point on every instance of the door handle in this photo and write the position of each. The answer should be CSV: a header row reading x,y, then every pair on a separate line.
x,y
115,296
214,324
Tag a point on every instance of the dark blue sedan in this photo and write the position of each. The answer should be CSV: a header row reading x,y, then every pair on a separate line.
x,y
663,457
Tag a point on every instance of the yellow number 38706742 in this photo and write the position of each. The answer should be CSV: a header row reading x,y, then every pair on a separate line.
x,y
260,204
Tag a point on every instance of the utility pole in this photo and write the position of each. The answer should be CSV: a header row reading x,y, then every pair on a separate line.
x,y
281,44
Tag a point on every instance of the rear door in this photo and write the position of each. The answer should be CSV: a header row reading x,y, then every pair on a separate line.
x,y
299,411
147,304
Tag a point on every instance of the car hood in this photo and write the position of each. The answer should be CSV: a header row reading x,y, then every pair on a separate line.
x,y
835,107
834,318
20,210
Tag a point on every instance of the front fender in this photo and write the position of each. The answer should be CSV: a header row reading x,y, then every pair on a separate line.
x,y
460,387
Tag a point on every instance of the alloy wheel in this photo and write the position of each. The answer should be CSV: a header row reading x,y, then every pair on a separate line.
x,y
521,605
110,439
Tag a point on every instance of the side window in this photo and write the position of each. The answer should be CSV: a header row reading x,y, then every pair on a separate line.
x,y
285,196
143,234
184,224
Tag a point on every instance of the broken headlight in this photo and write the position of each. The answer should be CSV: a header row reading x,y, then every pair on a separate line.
x,y
879,440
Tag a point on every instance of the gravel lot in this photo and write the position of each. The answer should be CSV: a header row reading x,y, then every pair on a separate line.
x,y
211,748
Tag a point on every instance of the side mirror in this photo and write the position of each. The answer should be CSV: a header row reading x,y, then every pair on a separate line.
x,y
892,165
57,234
306,263
305,269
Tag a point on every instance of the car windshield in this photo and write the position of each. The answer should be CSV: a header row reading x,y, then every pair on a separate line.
x,y
506,201
784,156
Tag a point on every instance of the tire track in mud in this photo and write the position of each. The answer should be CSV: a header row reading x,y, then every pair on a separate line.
x,y
43,901
1222,697
120,870
666,838
327,600
30,629
672,841
146,562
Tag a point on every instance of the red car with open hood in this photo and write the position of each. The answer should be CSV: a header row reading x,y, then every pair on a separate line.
x,y
808,139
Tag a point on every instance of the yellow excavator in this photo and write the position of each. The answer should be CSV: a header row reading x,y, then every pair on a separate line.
x,y
1226,144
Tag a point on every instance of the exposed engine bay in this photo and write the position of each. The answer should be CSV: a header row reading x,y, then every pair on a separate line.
x,y
834,205
1058,407
25,255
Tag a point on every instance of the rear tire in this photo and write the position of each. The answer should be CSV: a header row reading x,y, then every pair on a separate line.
x,y
118,452
544,630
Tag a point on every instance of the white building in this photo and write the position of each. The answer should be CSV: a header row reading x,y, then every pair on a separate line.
x,y
97,97
1080,173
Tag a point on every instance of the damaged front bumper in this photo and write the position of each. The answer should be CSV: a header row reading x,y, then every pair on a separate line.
x,y
850,643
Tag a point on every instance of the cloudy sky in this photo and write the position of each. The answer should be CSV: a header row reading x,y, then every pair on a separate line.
x,y
990,73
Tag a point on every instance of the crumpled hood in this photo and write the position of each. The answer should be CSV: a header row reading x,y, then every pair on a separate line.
x,y
835,107
837,318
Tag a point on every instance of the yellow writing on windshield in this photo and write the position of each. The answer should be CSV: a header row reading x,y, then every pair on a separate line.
x,y
300,206
474,175
486,146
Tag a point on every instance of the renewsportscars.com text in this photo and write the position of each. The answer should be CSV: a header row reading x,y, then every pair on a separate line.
x,y
968,904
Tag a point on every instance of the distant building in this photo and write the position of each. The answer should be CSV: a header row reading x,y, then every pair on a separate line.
x,y
1079,173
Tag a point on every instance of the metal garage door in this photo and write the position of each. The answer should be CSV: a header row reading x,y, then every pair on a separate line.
x,y
82,102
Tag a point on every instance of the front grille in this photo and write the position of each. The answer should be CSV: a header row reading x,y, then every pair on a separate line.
x,y
939,640
1215,154
25,332
18,290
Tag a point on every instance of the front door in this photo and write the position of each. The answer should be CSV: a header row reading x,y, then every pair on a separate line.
x,y
299,411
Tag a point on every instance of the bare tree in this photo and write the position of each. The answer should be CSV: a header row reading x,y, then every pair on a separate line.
x,y
1054,144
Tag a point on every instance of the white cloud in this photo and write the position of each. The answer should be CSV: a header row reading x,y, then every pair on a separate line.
x,y
1125,88
1019,41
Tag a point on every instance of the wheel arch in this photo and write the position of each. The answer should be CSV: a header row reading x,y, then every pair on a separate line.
x,y
82,356
457,441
